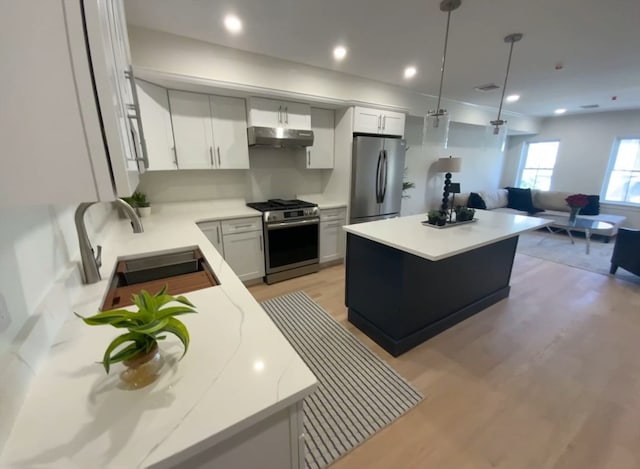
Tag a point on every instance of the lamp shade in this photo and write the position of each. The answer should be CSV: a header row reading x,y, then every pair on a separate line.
x,y
449,165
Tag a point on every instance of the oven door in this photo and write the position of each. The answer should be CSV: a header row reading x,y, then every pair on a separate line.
x,y
291,244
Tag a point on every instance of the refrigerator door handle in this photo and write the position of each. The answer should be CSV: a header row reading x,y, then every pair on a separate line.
x,y
378,168
383,189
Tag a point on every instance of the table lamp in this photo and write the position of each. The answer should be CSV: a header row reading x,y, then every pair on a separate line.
x,y
448,165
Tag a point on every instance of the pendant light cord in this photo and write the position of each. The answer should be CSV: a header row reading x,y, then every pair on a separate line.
x,y
444,61
506,79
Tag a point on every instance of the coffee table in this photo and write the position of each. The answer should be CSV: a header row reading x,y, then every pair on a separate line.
x,y
584,225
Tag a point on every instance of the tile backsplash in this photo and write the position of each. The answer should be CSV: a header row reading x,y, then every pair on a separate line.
x,y
274,172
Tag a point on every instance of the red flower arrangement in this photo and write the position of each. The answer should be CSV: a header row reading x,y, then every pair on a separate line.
x,y
577,201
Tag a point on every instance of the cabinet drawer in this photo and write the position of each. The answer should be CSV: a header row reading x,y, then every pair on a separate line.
x,y
333,214
241,225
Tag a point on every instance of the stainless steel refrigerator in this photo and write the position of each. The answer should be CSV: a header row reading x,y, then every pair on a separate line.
x,y
376,178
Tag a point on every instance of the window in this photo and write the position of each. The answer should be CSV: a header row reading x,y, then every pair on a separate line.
x,y
622,183
539,160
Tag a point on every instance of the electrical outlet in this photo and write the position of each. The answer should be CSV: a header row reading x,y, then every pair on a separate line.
x,y
5,318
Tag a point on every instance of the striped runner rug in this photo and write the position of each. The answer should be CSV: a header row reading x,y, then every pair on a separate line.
x,y
358,394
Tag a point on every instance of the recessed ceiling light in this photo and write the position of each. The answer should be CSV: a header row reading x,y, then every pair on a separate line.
x,y
560,111
340,52
233,24
410,72
512,98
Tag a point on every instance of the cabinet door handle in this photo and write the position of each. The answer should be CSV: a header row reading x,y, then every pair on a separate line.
x,y
260,243
175,156
384,122
219,160
211,156
243,226
286,115
280,115
308,157
218,233
379,122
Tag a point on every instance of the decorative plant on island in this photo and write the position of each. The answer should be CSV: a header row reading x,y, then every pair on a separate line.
x,y
464,213
436,217
575,203
150,324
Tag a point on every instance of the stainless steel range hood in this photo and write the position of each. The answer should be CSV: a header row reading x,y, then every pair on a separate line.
x,y
279,137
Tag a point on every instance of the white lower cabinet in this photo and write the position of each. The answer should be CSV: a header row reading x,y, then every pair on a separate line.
x,y
331,234
244,253
213,232
277,442
241,244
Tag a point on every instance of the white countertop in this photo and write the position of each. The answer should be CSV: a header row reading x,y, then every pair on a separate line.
x,y
409,235
238,370
323,201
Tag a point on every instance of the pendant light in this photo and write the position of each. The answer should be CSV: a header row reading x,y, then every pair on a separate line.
x,y
437,120
510,39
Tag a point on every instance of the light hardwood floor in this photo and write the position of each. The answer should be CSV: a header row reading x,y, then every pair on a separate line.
x,y
548,378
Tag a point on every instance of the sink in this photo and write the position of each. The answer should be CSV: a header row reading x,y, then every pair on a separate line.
x,y
181,271
147,269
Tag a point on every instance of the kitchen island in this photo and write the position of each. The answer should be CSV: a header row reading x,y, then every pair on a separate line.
x,y
406,282
234,400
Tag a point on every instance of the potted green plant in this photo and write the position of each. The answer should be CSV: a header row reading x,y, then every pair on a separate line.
x,y
406,185
142,205
464,213
436,217
138,348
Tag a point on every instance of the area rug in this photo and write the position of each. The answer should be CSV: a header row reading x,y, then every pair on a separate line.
x,y
557,248
358,394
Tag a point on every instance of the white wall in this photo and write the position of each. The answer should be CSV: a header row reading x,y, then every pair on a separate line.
x,y
38,280
188,57
586,142
274,173
482,162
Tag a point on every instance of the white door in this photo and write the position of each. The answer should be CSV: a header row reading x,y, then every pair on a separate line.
x,y
321,155
244,252
213,231
393,123
109,47
156,122
331,240
229,126
191,118
265,113
367,120
296,115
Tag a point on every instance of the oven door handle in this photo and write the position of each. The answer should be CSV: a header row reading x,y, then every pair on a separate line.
x,y
292,224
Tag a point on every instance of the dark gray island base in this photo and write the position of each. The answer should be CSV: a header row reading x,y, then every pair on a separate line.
x,y
400,300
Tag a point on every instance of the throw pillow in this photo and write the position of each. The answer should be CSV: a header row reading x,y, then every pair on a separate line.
x,y
520,199
475,201
593,207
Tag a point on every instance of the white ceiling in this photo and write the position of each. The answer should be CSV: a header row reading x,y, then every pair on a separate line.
x,y
597,41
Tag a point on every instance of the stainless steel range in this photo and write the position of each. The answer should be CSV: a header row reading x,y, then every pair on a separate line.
x,y
291,233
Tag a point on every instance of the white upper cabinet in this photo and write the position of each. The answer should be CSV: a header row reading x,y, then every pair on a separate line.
x,y
375,121
210,131
191,117
273,113
111,63
229,126
62,143
156,122
321,154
